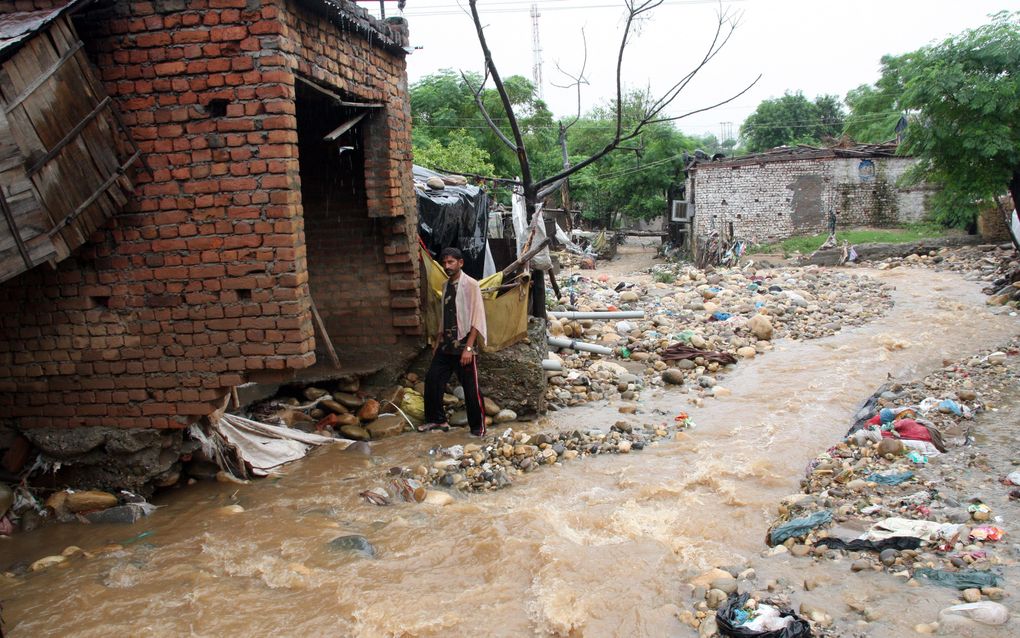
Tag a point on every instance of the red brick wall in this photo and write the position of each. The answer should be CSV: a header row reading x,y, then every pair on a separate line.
x,y
202,281
374,299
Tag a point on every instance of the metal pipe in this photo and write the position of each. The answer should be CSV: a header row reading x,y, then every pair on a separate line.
x,y
552,364
563,342
616,314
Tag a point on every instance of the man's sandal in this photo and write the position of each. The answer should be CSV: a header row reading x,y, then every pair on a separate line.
x,y
428,427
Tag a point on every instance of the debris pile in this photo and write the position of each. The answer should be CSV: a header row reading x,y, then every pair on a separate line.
x,y
995,265
495,462
907,491
697,324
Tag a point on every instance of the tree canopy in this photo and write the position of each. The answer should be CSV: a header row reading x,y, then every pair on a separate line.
x,y
963,95
792,119
449,133
447,124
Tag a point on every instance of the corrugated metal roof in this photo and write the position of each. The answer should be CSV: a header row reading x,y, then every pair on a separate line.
x,y
18,27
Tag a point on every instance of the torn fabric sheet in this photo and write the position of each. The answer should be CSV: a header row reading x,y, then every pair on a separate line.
x,y
261,446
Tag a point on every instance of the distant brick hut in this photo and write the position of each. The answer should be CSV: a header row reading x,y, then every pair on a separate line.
x,y
276,135
790,191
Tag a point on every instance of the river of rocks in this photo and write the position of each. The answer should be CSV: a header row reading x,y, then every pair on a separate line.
x,y
734,311
931,520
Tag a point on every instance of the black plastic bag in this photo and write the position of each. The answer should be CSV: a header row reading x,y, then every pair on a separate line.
x,y
455,216
726,619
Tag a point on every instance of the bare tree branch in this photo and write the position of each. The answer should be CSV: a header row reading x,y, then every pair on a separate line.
x,y
550,189
515,128
707,108
485,113
577,81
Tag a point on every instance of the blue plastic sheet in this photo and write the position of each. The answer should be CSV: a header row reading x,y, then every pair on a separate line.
x,y
892,478
967,579
798,526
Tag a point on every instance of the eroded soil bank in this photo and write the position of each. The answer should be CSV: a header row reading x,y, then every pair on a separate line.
x,y
596,547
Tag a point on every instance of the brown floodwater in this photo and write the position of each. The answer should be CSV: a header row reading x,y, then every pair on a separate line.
x,y
592,547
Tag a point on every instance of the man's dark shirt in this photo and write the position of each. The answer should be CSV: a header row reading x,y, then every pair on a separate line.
x,y
448,343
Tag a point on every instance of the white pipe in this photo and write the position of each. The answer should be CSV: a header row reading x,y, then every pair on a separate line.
x,y
616,314
563,342
552,364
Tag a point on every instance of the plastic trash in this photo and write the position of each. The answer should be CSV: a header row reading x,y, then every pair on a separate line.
x,y
987,533
858,544
413,404
985,612
917,458
966,579
721,316
798,527
951,406
766,621
979,508
890,478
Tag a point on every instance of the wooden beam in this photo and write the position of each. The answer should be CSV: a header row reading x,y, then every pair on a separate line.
x,y
71,136
15,232
526,257
336,98
45,75
333,135
325,335
94,196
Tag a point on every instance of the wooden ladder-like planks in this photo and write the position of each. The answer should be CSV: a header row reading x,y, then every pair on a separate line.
x,y
69,172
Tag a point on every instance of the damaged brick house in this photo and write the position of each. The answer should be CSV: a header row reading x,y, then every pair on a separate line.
x,y
274,177
789,191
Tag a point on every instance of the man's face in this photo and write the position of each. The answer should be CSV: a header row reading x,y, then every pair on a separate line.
x,y
452,265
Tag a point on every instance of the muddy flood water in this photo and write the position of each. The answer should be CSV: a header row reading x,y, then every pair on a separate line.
x,y
594,547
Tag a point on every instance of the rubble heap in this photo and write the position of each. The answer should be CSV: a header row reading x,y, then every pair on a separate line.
x,y
736,312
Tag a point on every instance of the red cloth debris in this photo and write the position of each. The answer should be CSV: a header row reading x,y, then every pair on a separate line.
x,y
909,429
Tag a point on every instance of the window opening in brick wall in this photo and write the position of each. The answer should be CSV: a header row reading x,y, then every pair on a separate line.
x,y
347,273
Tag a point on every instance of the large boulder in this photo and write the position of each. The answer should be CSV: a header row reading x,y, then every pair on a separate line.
x,y
513,377
386,426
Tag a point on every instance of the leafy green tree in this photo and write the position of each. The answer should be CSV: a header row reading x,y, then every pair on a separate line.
x,y
875,111
792,119
964,99
633,180
444,115
461,154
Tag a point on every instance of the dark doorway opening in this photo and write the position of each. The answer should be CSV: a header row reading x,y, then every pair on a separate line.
x,y
347,272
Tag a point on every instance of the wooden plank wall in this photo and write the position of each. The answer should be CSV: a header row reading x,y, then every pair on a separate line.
x,y
48,90
30,219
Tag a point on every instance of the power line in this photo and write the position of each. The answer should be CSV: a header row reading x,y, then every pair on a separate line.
x,y
611,125
523,7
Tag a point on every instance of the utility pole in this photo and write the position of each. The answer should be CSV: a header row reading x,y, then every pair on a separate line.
x,y
536,50
565,188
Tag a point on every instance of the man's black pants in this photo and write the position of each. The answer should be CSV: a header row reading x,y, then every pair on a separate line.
x,y
444,365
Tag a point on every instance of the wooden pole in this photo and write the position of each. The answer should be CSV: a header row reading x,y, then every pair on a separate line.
x,y
325,335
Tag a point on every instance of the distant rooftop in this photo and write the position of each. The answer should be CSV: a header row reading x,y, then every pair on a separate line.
x,y
804,152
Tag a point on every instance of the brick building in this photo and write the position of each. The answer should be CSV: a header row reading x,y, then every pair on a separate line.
x,y
276,135
789,191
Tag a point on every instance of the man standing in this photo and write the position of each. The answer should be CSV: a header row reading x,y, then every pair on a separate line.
x,y
461,330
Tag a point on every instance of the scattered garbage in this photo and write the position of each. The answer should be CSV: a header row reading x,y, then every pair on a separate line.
x,y
987,533
890,478
964,579
738,619
859,544
985,612
798,527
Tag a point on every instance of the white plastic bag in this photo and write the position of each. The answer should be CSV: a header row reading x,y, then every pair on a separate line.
x,y
985,612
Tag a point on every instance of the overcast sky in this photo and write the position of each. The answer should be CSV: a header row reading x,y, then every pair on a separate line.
x,y
816,46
